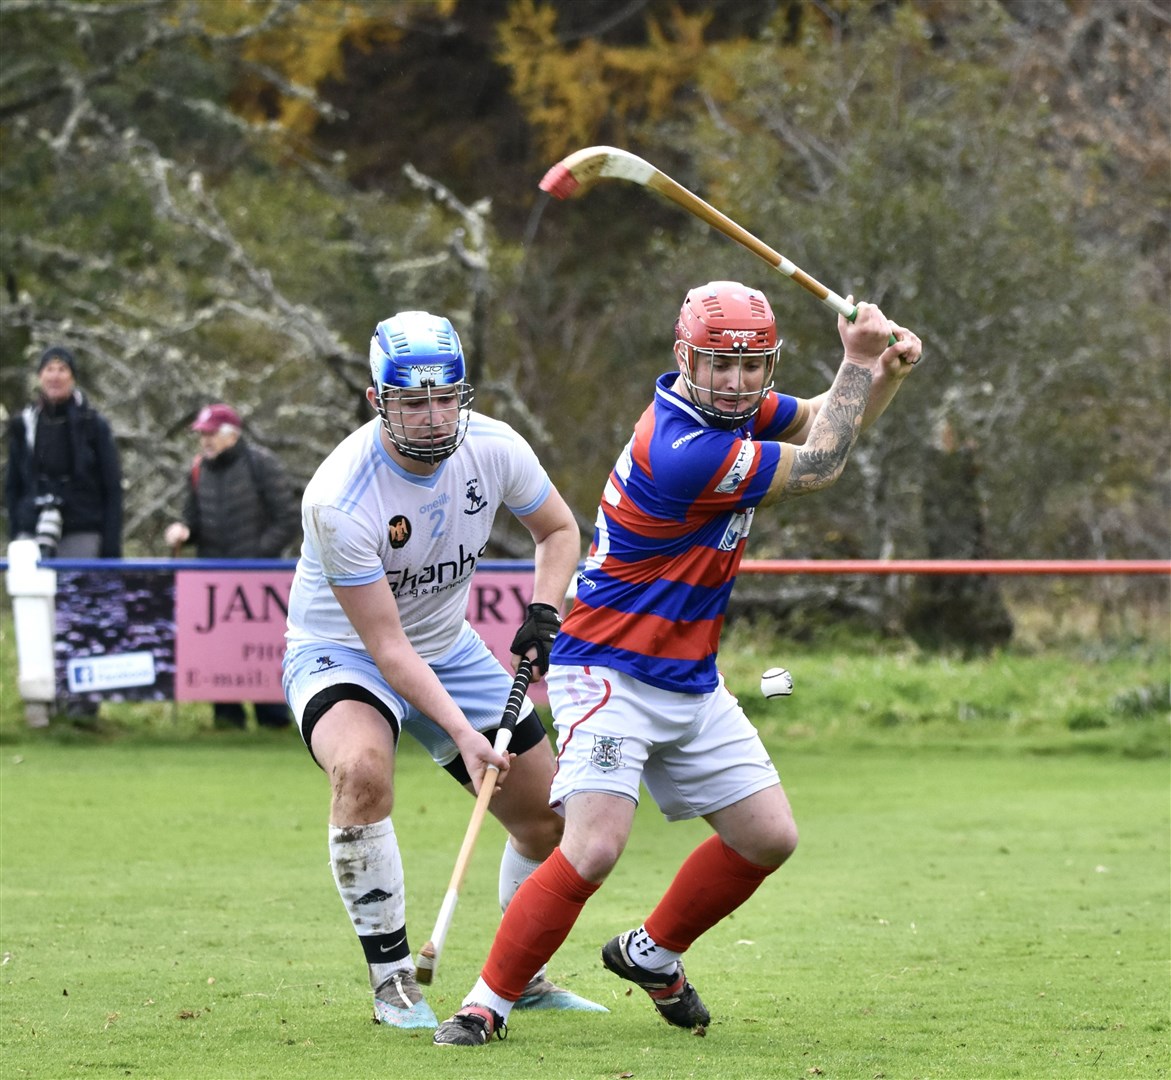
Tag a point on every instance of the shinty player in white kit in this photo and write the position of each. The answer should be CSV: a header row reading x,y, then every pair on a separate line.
x,y
395,521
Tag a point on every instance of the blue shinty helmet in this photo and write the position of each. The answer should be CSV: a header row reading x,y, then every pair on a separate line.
x,y
414,355
414,348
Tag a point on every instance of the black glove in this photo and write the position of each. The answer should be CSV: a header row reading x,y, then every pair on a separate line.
x,y
538,631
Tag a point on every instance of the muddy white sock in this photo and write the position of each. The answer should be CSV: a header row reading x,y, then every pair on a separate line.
x,y
368,871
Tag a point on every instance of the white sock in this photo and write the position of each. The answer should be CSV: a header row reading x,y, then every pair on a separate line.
x,y
514,870
368,871
642,950
481,994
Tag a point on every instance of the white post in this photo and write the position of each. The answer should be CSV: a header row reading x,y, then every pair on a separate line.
x,y
33,589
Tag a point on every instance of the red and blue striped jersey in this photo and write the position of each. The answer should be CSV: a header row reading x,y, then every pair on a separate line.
x,y
668,541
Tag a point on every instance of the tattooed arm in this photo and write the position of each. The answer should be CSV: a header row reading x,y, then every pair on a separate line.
x,y
866,382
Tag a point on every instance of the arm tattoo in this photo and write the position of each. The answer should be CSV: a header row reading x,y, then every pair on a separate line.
x,y
823,457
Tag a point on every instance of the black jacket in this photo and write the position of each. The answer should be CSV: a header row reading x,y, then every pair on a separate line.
x,y
90,491
241,505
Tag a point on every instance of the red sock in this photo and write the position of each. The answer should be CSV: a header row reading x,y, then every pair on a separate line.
x,y
537,920
712,882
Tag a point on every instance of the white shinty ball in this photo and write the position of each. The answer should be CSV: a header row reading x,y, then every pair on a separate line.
x,y
776,682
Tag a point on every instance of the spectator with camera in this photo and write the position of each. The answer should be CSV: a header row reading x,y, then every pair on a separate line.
x,y
63,485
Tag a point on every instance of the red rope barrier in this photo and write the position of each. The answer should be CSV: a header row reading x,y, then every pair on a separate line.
x,y
955,566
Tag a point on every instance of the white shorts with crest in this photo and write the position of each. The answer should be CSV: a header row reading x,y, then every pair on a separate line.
x,y
696,753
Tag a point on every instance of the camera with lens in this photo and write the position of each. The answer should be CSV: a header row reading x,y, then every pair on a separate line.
x,y
49,523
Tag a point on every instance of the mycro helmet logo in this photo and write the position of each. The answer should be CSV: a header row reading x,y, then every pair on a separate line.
x,y
424,373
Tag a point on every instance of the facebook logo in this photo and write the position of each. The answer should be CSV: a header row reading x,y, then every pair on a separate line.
x,y
88,674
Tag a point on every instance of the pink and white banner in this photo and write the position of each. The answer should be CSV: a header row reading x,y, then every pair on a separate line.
x,y
230,634
215,634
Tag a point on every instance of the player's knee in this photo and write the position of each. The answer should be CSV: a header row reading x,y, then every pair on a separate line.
x,y
594,858
769,846
780,843
362,786
789,840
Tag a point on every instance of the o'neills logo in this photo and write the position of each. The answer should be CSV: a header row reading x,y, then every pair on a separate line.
x,y
398,531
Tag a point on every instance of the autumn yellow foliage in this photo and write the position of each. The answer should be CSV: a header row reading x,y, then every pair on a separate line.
x,y
309,47
584,92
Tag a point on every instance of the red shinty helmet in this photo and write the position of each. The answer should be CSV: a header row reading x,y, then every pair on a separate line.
x,y
729,319
725,316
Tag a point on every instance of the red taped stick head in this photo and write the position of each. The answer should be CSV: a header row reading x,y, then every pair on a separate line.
x,y
559,182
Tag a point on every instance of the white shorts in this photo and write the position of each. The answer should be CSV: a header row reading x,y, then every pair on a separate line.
x,y
696,753
477,682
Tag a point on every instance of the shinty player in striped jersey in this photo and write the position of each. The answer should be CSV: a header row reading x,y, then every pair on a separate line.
x,y
633,683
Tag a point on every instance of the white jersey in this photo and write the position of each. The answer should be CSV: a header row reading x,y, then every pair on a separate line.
x,y
365,517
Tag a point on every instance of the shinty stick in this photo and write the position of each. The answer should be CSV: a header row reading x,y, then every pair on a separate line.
x,y
427,962
576,174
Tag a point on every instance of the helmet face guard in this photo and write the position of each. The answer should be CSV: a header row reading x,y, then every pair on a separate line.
x,y
726,331
418,372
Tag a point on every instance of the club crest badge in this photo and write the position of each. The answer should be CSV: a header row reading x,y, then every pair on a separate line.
x,y
607,753
476,501
398,531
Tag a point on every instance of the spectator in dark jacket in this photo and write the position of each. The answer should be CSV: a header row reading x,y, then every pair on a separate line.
x,y
239,505
62,460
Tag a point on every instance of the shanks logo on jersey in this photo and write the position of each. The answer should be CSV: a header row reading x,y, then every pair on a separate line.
x,y
476,501
398,531
412,581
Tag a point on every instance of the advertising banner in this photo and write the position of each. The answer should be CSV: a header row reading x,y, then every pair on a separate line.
x,y
230,634
115,635
191,634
